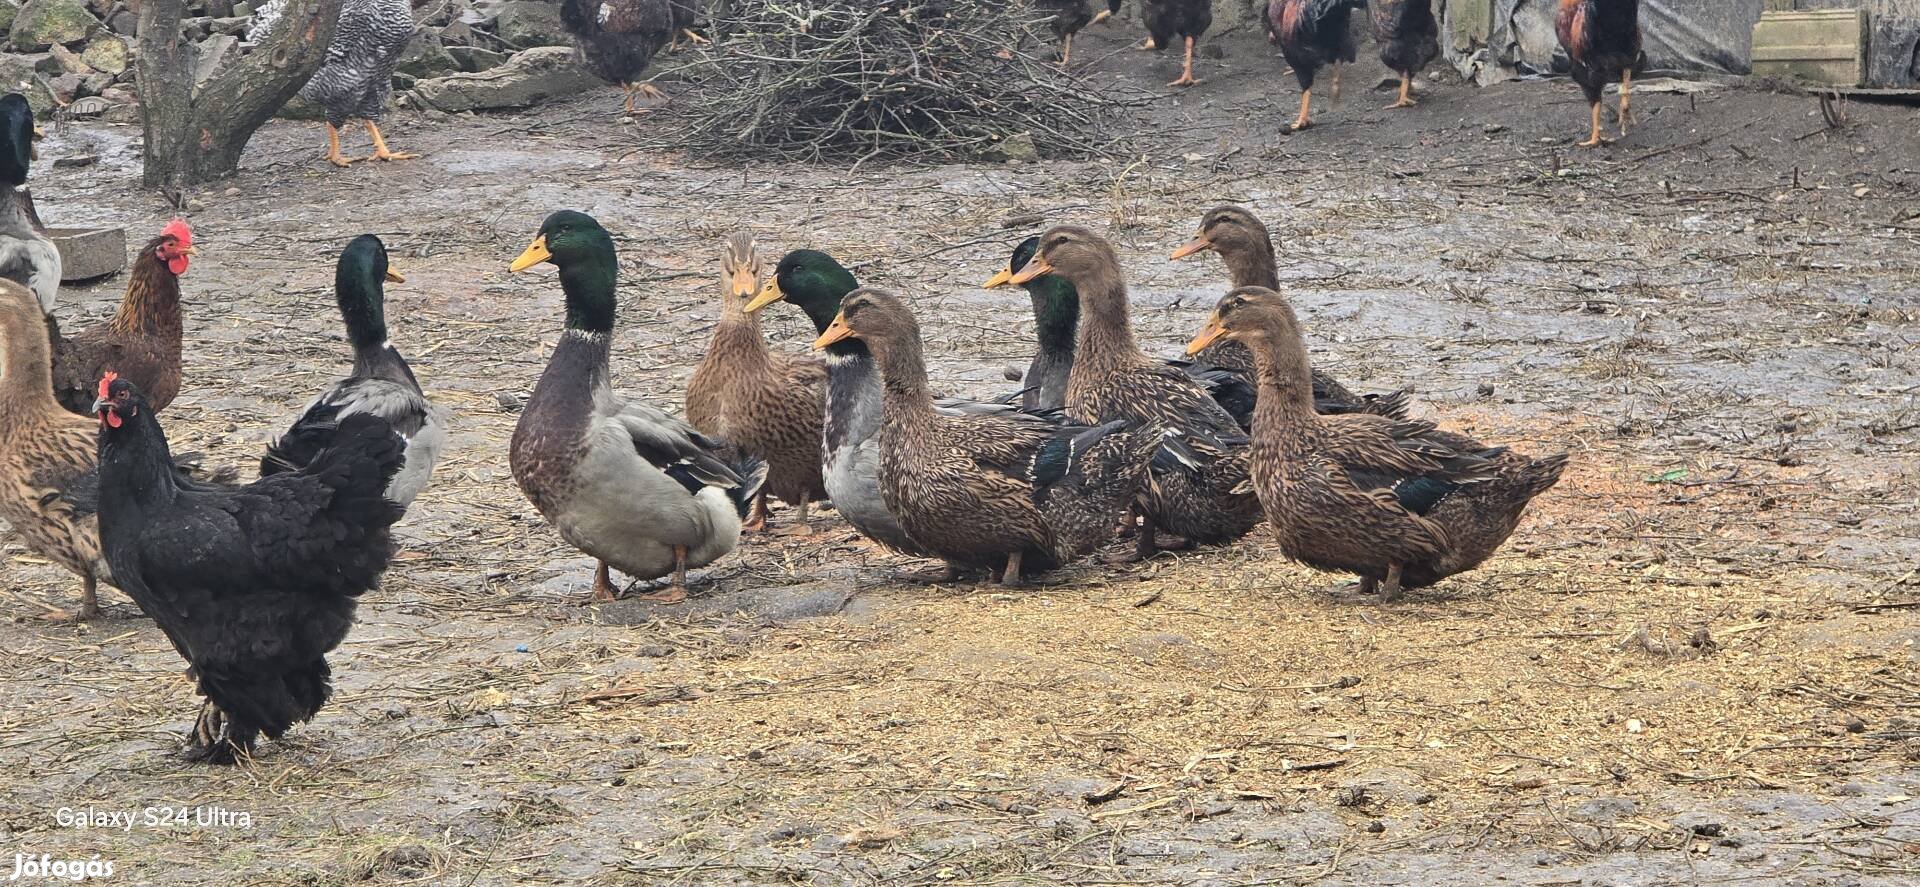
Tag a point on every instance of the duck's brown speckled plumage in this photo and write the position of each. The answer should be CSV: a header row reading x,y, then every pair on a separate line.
x,y
1012,494
1112,380
768,405
1391,500
44,450
1246,247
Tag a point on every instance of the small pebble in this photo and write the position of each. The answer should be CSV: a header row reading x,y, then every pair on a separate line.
x,y
521,648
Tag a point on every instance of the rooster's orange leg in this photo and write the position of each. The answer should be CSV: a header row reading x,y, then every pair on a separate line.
x,y
380,151
1103,15
333,147
1626,92
1596,140
1406,92
677,590
693,38
650,91
1305,119
1066,55
1186,72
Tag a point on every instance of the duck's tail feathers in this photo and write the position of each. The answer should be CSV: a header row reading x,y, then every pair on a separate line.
x,y
1541,474
753,475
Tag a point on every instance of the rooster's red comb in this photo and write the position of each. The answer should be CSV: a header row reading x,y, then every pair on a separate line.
x,y
178,230
106,382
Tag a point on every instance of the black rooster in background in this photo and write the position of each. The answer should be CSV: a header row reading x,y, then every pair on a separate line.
x,y
1409,38
619,38
1313,33
253,584
1602,39
1170,20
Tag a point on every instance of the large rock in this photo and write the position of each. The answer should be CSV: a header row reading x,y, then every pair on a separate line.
x,y
42,23
17,75
473,59
8,9
210,54
526,23
424,58
106,53
530,76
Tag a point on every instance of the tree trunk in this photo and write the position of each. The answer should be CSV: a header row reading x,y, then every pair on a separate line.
x,y
195,136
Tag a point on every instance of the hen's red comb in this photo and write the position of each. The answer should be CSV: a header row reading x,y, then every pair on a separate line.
x,y
178,230
106,382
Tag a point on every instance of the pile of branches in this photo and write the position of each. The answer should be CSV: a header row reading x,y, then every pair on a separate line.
x,y
837,80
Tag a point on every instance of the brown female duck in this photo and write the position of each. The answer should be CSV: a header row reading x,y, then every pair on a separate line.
x,y
1397,502
1244,245
1203,498
769,405
1012,494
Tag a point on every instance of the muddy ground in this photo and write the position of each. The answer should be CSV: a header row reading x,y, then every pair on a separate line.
x,y
1695,663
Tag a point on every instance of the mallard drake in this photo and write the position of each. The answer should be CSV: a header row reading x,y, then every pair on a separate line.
x,y
1111,379
27,256
816,282
769,405
380,383
1242,242
1008,495
639,490
1056,314
1396,501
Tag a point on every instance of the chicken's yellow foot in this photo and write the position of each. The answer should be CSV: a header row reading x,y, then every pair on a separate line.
x,y
333,148
380,151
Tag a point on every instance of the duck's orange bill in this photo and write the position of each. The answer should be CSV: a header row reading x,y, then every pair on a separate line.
x,y
743,282
1034,267
769,294
837,331
534,255
999,280
394,276
1212,331
1197,245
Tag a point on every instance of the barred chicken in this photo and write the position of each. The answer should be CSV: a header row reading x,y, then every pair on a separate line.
x,y
357,78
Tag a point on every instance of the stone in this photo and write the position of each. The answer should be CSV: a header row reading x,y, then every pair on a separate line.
x,y
425,58
529,23
126,23
42,23
1018,148
209,55
235,25
65,86
68,60
8,9
96,83
531,76
17,75
473,59
106,53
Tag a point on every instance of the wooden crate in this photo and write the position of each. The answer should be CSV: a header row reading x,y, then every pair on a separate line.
x,y
1826,47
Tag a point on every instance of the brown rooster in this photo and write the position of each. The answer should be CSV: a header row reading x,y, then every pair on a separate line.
x,y
1409,38
1602,39
1313,34
142,341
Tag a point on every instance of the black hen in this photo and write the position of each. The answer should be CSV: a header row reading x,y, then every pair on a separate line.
x,y
253,584
1066,17
1409,38
1313,34
1170,20
1602,39
618,38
